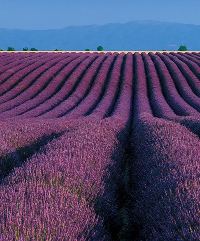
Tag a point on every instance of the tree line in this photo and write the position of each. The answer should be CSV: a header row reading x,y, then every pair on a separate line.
x,y
99,48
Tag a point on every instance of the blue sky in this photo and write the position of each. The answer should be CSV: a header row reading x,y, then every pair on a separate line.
x,y
48,14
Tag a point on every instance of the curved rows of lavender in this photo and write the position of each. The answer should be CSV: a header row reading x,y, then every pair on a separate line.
x,y
99,146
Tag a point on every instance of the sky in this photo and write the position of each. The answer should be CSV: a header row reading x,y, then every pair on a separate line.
x,y
55,14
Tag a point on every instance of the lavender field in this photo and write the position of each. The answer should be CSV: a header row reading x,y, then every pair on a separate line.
x,y
99,146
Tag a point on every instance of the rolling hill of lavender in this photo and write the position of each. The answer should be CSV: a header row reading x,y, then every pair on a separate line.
x,y
99,146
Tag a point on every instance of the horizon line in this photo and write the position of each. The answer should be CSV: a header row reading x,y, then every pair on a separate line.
x,y
125,51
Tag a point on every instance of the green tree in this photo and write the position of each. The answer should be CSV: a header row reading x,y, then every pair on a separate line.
x,y
10,49
25,49
182,48
56,50
87,49
100,48
33,49
1,49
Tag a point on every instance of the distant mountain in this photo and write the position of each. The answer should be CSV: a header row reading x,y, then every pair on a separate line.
x,y
137,35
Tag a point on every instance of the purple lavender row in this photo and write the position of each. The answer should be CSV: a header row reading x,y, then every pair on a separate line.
x,y
193,59
21,57
45,224
7,58
10,77
108,96
59,95
9,94
68,190
193,66
195,56
160,106
23,84
181,83
173,97
32,96
196,53
192,79
192,123
79,92
16,65
11,69
141,100
165,173
124,102
41,97
27,82
95,91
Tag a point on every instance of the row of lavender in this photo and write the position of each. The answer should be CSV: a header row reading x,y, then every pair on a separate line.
x,y
67,187
60,179
75,85
165,180
164,159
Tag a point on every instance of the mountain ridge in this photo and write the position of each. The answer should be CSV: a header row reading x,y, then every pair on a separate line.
x,y
133,35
